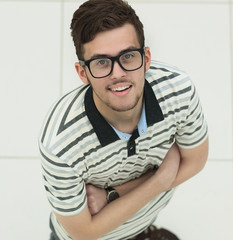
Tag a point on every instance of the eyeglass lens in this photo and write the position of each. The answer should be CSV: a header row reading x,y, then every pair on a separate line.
x,y
103,66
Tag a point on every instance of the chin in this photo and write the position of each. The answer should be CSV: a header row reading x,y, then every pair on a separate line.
x,y
122,108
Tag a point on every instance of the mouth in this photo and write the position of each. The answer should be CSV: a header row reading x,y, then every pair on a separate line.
x,y
120,88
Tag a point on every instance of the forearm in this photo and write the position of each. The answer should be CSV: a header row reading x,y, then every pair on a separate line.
x,y
129,186
119,211
97,197
186,171
172,156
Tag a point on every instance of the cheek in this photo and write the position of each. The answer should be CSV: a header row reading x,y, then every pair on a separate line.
x,y
141,76
95,83
98,86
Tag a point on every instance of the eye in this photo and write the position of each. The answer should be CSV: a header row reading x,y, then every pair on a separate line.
x,y
128,56
102,62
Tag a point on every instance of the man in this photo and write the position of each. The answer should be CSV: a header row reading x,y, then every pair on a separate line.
x,y
114,149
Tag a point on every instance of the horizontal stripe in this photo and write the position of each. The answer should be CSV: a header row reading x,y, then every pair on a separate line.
x,y
63,165
73,143
58,177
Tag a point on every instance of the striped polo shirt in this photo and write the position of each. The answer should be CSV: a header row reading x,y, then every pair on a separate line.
x,y
79,147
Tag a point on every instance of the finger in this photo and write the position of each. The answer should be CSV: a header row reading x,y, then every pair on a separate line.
x,y
89,189
93,209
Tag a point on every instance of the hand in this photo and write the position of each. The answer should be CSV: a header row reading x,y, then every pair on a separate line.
x,y
168,170
96,198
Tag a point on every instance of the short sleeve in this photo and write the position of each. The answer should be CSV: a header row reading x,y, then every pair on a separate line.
x,y
192,130
65,189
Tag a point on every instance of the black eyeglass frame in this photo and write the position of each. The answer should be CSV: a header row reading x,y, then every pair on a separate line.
x,y
113,59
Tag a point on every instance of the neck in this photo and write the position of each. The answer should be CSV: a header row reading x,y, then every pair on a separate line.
x,y
125,121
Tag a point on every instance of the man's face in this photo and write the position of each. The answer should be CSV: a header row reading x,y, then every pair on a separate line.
x,y
122,90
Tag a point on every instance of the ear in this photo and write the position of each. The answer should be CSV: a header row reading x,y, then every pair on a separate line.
x,y
81,72
147,58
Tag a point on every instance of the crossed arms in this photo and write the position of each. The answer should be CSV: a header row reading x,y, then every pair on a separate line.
x,y
178,166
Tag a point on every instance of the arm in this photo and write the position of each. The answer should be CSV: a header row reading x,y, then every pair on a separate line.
x,y
85,226
172,155
192,162
96,197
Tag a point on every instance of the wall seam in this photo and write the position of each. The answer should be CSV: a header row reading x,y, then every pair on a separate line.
x,y
176,2
133,1
2,158
61,47
231,56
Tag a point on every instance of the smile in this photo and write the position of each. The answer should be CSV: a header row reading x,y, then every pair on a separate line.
x,y
120,89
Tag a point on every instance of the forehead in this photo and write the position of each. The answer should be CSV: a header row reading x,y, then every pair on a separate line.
x,y
112,42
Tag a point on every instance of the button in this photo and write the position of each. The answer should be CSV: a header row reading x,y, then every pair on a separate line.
x,y
131,147
171,139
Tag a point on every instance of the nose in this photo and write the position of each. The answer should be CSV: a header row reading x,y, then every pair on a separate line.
x,y
117,71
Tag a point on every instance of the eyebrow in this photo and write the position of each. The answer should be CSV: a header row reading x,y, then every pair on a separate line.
x,y
94,56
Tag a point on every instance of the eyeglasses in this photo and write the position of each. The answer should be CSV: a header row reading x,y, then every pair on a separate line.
x,y
102,66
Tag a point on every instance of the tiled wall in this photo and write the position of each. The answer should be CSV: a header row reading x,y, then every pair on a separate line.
x,y
37,66
37,63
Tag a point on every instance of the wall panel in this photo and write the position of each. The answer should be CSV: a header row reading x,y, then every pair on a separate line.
x,y
24,207
70,76
30,67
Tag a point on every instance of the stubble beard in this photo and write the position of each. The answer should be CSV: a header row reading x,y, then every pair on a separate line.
x,y
115,107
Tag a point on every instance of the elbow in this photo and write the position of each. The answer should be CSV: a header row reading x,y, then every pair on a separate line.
x,y
201,166
202,156
202,163
83,236
204,159
80,226
87,233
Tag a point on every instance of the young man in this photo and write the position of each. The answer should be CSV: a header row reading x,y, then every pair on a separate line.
x,y
114,149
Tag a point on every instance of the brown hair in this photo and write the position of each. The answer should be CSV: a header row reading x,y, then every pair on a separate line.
x,y
95,16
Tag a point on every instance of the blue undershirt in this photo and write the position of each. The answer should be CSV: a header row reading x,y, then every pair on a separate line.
x,y
142,126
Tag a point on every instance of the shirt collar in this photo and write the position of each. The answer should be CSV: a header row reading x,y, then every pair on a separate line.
x,y
142,126
153,115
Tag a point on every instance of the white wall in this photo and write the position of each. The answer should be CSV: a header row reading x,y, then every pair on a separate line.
x,y
37,66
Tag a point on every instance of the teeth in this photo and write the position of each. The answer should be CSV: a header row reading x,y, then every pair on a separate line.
x,y
119,89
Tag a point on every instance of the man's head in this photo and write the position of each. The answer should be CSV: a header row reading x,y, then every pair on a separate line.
x,y
96,16
109,41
